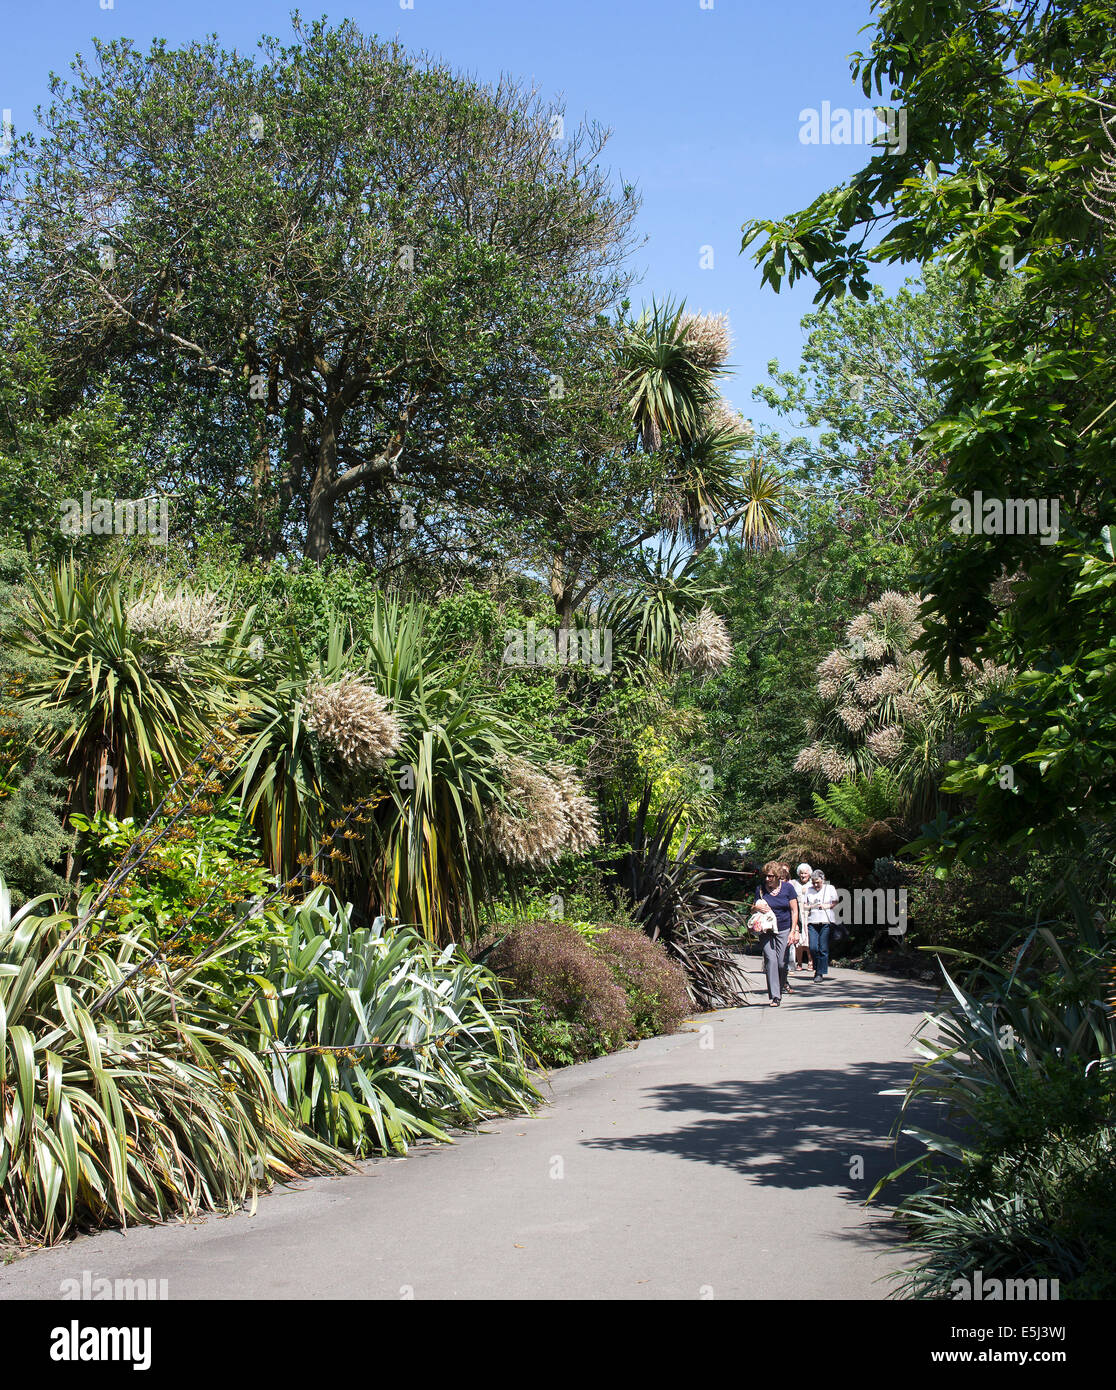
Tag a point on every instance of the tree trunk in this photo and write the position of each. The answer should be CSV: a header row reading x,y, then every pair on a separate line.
x,y
322,496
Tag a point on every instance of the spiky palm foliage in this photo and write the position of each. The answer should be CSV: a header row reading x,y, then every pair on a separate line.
x,y
433,864
287,787
420,851
133,699
1021,1067
713,494
764,511
666,388
647,619
140,1104
666,890
705,491
378,1039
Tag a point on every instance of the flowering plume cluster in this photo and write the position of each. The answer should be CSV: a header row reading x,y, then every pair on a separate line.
x,y
353,720
875,690
181,618
583,829
721,418
708,339
552,815
878,697
704,643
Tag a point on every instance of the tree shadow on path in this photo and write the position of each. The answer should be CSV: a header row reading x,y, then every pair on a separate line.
x,y
811,1127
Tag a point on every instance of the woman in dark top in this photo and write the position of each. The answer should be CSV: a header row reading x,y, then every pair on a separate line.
x,y
781,898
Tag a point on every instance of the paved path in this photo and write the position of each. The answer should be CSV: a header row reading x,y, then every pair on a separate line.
x,y
720,1162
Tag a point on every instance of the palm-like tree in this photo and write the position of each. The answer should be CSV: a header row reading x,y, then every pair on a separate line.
x,y
421,853
666,391
647,617
135,701
762,511
713,494
432,865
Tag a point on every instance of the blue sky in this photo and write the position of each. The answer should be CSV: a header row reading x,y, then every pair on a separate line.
x,y
704,105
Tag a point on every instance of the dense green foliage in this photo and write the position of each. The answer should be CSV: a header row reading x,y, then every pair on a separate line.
x,y
377,1039
489,639
1006,180
1003,178
1022,1065
130,1094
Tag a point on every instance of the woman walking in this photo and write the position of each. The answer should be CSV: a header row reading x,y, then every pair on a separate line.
x,y
800,952
821,907
778,897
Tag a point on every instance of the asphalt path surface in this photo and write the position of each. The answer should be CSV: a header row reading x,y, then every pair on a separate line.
x,y
730,1160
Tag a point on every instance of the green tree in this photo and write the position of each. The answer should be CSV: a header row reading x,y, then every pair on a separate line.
x,y
1004,176
373,270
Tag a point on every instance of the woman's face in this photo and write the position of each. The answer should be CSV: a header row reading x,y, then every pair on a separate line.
x,y
818,880
803,876
771,881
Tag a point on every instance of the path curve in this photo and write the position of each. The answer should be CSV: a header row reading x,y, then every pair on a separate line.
x,y
729,1160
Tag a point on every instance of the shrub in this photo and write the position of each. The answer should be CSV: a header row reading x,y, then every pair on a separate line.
x,y
654,984
551,963
201,867
1022,1065
132,700
378,1038
1033,1199
589,989
971,910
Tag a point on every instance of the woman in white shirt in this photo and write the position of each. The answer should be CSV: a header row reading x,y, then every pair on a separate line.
x,y
801,949
821,913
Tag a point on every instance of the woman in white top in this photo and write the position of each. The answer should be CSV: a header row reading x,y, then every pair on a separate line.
x,y
821,912
802,949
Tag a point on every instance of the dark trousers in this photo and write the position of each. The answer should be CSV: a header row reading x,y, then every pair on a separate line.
x,y
819,946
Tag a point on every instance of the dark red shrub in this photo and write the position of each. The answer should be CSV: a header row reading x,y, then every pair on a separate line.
x,y
552,963
654,984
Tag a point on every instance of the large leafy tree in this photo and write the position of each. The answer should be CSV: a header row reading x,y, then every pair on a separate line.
x,y
865,391
1003,177
363,270
50,452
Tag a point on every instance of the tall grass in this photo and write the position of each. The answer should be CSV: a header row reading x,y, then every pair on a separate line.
x,y
126,1096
